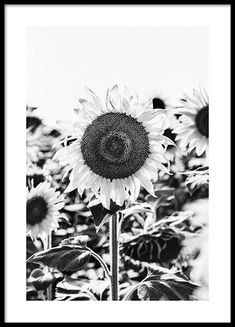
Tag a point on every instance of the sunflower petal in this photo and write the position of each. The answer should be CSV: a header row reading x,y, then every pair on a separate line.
x,y
105,193
146,183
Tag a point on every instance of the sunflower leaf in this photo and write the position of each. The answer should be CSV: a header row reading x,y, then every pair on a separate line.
x,y
78,240
100,214
70,289
166,285
138,208
41,279
63,258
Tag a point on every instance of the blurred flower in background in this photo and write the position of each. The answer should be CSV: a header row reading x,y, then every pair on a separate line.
x,y
40,139
159,102
160,247
42,209
193,128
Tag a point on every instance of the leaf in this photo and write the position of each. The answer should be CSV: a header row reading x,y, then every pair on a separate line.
x,y
138,208
80,240
78,297
163,284
64,257
127,238
70,285
96,286
31,247
100,214
70,289
42,279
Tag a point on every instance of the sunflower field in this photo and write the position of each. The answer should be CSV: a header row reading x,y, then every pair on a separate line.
x,y
117,200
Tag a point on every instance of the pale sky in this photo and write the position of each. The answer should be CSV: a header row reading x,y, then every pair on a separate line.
x,y
61,61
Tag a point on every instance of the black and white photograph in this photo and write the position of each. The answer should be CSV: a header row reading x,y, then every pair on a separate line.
x,y
118,161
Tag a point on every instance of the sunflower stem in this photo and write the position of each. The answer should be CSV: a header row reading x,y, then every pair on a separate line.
x,y
47,243
114,255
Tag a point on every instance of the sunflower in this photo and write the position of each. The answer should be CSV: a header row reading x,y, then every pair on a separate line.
x,y
156,241
161,247
159,102
193,128
117,147
42,206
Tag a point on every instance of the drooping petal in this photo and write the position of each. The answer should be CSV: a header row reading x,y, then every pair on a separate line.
x,y
105,193
146,183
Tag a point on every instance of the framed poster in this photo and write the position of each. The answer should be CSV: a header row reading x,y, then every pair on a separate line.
x,y
118,155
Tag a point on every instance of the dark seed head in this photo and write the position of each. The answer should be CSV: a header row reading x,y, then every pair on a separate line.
x,y
202,121
115,145
36,210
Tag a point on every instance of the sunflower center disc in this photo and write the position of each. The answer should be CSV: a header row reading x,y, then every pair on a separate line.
x,y
36,210
115,145
202,121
